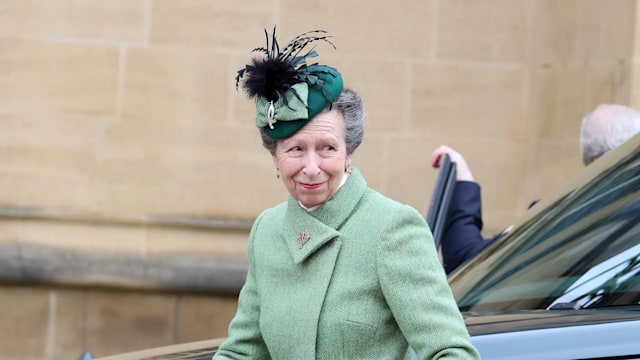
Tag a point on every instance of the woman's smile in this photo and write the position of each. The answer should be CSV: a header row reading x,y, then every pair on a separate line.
x,y
309,186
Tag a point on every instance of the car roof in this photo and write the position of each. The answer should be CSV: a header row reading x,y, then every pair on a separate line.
x,y
493,323
584,334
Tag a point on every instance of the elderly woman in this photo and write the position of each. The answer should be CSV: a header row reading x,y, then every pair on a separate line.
x,y
338,271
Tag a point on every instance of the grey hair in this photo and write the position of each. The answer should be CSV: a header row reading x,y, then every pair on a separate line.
x,y
608,126
350,105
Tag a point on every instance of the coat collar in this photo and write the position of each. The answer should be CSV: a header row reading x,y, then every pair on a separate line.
x,y
305,232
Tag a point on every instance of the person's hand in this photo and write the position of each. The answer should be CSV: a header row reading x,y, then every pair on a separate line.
x,y
463,173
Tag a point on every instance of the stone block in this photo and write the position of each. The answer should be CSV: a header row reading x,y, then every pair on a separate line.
x,y
557,102
117,20
408,159
610,82
475,31
384,88
204,317
47,77
200,242
129,321
25,322
606,33
559,162
107,238
195,173
371,159
461,101
221,24
51,160
370,28
169,85
554,39
69,315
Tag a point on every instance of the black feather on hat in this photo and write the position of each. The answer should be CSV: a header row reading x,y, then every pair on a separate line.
x,y
275,81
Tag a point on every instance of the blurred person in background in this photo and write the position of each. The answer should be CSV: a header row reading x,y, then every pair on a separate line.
x,y
608,126
338,270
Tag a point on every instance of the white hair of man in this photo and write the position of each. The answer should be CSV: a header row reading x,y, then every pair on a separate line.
x,y
608,126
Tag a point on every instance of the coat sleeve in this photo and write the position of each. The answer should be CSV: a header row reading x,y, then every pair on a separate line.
x,y
463,231
415,287
245,339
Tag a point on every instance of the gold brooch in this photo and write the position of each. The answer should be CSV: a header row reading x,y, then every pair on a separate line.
x,y
303,237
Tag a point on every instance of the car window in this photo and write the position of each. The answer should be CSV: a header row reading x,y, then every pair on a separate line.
x,y
583,251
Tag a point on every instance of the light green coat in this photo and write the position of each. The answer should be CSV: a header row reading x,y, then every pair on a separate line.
x,y
367,284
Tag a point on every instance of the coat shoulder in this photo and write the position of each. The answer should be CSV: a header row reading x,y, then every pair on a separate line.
x,y
377,202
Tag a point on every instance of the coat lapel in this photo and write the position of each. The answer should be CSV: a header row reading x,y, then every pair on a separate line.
x,y
306,235
306,232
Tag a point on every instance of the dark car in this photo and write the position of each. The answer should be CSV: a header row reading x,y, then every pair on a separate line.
x,y
562,283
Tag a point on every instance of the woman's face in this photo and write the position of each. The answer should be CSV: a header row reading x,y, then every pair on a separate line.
x,y
313,160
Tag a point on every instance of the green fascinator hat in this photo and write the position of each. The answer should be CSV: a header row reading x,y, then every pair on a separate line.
x,y
288,91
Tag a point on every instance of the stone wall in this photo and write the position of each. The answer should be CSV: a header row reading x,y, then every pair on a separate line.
x,y
44,322
122,136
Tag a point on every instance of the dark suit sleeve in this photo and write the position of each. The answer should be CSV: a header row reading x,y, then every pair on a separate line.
x,y
463,231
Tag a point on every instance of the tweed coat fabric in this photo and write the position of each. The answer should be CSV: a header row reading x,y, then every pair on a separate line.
x,y
358,278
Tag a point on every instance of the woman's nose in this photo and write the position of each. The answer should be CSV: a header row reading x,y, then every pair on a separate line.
x,y
312,164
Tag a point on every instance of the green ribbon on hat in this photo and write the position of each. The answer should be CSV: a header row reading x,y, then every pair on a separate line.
x,y
317,98
292,109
